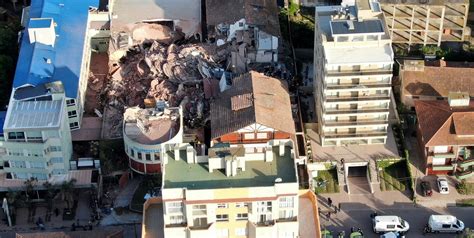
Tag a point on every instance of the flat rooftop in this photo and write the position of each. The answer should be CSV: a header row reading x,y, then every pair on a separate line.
x,y
186,13
34,114
149,127
256,174
359,55
343,27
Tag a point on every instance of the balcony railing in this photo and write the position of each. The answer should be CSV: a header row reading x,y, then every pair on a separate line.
x,y
357,98
443,167
355,134
361,86
359,72
449,155
464,174
201,227
466,163
184,224
289,219
265,223
360,110
355,123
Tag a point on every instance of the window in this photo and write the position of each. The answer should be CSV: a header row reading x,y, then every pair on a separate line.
x,y
222,217
148,156
18,164
58,171
286,202
54,149
199,210
241,231
139,155
222,205
132,152
16,135
241,216
72,114
178,219
70,102
21,175
222,233
249,136
241,204
264,207
39,176
285,214
74,125
37,165
174,207
56,160
200,222
446,226
157,156
262,135
390,226
34,135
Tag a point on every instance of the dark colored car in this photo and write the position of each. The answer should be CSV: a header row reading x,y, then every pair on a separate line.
x,y
426,190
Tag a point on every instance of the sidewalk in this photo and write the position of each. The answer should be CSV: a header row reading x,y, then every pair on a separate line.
x,y
125,196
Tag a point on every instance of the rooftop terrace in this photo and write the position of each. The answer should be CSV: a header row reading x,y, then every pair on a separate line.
x,y
256,174
147,126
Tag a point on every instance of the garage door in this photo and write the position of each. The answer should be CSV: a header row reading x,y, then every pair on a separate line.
x,y
358,181
359,171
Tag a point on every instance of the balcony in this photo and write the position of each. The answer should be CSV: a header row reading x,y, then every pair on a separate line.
x,y
359,72
290,219
354,135
449,155
374,97
443,167
358,110
359,86
466,163
201,227
464,174
265,223
355,123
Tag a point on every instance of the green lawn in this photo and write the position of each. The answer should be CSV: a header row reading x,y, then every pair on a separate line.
x,y
465,203
331,186
394,176
465,188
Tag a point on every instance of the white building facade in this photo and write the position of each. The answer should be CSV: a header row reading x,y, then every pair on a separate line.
x,y
353,74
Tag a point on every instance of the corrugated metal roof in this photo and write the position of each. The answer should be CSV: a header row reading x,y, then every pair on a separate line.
x,y
70,17
34,114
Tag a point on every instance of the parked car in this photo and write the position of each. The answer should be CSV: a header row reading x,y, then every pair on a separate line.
x,y
382,224
426,190
444,223
443,185
392,235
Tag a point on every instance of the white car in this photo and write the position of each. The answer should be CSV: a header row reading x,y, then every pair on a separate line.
x,y
384,224
443,185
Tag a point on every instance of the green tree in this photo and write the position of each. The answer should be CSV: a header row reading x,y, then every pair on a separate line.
x,y
8,56
49,196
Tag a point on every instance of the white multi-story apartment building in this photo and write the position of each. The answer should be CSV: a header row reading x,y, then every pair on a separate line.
x,y
353,74
48,90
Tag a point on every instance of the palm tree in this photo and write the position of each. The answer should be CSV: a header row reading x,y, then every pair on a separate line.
x,y
30,185
67,192
49,196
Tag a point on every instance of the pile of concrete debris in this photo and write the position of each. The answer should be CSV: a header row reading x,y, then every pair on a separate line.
x,y
152,71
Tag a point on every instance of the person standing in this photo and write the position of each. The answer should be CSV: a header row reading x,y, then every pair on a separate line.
x,y
329,202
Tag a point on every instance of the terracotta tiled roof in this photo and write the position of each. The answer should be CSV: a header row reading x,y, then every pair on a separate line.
x,y
438,81
263,13
441,124
270,105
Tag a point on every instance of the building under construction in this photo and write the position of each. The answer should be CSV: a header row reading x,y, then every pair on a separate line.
x,y
426,21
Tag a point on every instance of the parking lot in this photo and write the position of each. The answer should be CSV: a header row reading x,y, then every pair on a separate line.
x,y
358,215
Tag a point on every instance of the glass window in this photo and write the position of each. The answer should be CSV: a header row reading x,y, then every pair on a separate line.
x,y
139,155
249,136
222,217
21,175
241,204
57,160
70,102
286,202
285,214
132,152
174,207
241,231
242,216
222,205
72,114
199,210
39,176
74,125
177,219
37,165
16,135
148,156
157,156
222,233
262,135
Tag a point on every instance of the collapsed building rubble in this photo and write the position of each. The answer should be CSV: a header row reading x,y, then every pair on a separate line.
x,y
152,72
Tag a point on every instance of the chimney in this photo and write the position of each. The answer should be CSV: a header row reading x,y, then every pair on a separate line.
x,y
458,99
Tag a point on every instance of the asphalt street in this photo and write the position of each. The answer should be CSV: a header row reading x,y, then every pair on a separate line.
x,y
358,215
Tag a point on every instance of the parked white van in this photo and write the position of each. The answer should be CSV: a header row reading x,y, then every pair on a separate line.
x,y
389,224
445,223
